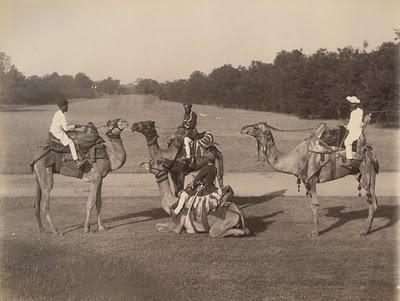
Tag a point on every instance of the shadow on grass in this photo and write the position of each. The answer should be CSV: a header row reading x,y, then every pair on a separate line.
x,y
245,202
151,214
390,212
258,224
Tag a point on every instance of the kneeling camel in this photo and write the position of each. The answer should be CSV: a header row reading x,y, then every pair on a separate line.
x,y
232,224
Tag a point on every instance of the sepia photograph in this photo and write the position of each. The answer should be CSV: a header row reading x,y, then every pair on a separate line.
x,y
199,150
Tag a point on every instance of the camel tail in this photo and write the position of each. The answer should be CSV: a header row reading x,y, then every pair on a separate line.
x,y
34,160
374,159
38,193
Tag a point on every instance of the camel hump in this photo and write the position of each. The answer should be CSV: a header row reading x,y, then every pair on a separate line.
x,y
319,130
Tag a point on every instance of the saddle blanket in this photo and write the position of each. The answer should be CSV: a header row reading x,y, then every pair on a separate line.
x,y
200,207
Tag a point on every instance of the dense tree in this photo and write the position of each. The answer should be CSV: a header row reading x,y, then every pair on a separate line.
x,y
309,86
15,89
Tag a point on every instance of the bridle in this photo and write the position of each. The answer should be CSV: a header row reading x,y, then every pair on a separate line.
x,y
115,125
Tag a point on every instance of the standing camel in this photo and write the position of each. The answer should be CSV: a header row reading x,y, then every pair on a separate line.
x,y
44,178
229,223
178,168
312,167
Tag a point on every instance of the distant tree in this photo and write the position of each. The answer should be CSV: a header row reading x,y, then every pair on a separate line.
x,y
147,86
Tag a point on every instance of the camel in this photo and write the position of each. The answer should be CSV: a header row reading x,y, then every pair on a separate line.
x,y
44,178
312,167
232,224
178,168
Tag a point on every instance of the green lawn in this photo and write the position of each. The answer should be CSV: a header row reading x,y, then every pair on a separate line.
x,y
23,128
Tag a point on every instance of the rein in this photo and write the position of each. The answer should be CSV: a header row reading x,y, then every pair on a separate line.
x,y
284,130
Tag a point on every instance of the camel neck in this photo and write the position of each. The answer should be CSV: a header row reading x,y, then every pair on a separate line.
x,y
117,154
284,162
167,198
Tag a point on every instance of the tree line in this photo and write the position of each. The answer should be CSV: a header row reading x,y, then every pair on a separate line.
x,y
16,89
309,86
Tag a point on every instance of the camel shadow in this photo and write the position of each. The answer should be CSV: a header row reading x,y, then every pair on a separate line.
x,y
255,223
258,224
141,216
390,212
244,202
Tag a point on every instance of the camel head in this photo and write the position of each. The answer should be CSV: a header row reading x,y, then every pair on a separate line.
x,y
143,127
115,128
148,129
262,133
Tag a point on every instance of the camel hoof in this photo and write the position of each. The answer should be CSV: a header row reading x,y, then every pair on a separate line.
x,y
363,233
87,230
162,227
313,234
60,233
102,228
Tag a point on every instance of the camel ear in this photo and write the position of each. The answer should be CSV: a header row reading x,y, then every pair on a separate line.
x,y
145,165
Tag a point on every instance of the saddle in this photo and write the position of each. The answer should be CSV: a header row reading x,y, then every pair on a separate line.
x,y
89,146
200,142
194,218
324,140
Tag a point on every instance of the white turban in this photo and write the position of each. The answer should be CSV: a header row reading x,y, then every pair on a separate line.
x,y
353,99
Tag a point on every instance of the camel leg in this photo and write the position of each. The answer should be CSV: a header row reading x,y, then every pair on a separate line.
x,y
94,186
371,199
46,184
227,226
314,204
220,169
37,204
175,181
99,203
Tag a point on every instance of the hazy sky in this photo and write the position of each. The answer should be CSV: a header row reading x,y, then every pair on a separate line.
x,y
168,39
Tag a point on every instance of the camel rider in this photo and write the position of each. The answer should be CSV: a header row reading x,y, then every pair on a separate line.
x,y
59,127
203,184
354,126
189,124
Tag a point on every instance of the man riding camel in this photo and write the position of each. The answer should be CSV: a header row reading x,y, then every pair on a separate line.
x,y
189,125
354,126
59,127
203,184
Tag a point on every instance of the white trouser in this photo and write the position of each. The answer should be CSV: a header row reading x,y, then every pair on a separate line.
x,y
65,140
73,150
187,141
351,137
181,202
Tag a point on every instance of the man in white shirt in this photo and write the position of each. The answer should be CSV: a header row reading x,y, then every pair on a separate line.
x,y
354,126
59,127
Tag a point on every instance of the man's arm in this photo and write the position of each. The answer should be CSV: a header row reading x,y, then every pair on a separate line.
x,y
64,124
199,178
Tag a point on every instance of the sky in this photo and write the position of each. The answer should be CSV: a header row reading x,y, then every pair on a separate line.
x,y
169,39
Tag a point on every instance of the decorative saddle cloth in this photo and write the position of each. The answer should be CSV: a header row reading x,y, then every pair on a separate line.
x,y
195,215
89,146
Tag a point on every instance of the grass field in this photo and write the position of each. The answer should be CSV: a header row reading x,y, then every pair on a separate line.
x,y
132,261
23,128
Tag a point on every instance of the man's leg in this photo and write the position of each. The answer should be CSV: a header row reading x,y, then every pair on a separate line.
x,y
347,144
74,154
187,142
181,202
